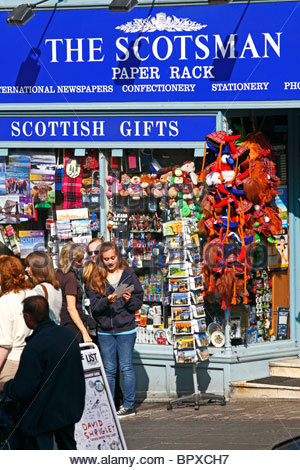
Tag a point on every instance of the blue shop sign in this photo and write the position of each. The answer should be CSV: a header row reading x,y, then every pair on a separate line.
x,y
238,52
108,128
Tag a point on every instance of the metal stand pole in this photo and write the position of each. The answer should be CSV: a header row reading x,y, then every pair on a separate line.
x,y
197,396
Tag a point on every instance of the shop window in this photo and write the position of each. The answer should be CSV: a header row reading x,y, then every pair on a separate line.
x,y
157,208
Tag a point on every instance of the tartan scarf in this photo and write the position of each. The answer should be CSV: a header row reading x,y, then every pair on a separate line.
x,y
71,188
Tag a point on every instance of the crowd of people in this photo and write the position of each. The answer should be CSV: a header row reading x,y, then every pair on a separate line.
x,y
45,313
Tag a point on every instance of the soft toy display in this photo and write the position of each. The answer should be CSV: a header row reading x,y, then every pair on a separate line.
x,y
237,210
114,186
183,187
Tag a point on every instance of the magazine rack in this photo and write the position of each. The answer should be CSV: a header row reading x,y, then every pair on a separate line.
x,y
197,396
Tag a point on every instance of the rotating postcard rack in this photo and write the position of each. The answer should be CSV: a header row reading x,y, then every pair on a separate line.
x,y
187,304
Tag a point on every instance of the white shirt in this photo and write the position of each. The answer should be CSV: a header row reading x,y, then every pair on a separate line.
x,y
13,329
54,298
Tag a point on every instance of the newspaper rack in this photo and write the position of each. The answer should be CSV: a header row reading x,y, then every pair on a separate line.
x,y
99,427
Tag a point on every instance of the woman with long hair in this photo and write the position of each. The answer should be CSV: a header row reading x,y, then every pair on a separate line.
x,y
40,269
13,330
68,274
114,312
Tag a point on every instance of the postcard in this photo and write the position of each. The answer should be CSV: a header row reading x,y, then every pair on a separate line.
x,y
198,311
196,270
197,297
188,355
17,173
183,327
179,270
173,227
179,299
194,255
175,242
81,227
72,214
178,285
17,182
176,256
18,161
82,240
199,325
203,354
184,342
196,283
64,229
43,163
181,313
201,340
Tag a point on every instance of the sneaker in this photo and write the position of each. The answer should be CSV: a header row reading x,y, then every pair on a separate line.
x,y
123,412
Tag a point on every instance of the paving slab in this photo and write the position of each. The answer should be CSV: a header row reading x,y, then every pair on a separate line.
x,y
240,425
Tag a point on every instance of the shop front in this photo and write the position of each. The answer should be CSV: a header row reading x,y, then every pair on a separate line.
x,y
108,128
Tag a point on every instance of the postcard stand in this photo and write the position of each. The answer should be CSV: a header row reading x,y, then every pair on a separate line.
x,y
197,396
187,305
99,427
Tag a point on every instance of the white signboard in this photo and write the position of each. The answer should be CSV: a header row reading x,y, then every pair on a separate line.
x,y
99,427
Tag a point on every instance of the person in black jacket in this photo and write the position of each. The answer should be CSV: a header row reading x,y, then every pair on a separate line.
x,y
49,382
115,318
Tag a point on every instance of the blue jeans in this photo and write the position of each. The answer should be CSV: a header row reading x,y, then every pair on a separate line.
x,y
110,346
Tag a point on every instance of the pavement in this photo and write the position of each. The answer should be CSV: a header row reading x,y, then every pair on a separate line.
x,y
239,425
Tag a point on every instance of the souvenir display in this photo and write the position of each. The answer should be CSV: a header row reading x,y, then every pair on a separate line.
x,y
240,217
193,232
41,194
147,211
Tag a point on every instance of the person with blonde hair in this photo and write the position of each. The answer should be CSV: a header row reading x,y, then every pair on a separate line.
x,y
13,330
40,269
72,312
87,271
115,316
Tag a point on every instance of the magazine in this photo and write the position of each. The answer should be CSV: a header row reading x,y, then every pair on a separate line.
x,y
31,240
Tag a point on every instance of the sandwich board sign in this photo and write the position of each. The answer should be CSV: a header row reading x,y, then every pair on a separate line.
x,y
99,427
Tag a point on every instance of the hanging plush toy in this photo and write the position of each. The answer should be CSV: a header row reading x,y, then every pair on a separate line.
x,y
114,186
236,211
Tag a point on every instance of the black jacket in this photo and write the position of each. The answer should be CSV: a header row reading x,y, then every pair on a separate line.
x,y
50,381
117,317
